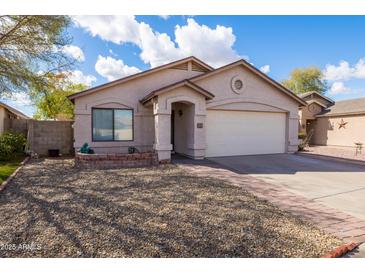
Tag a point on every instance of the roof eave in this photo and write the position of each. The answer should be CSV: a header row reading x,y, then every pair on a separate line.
x,y
14,111
320,95
341,114
187,83
137,75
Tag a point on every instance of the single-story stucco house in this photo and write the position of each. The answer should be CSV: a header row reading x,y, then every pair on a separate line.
x,y
190,108
8,113
340,123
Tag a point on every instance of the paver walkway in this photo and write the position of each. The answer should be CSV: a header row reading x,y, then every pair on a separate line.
x,y
343,225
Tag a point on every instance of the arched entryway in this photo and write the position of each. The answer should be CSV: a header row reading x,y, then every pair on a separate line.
x,y
187,103
182,127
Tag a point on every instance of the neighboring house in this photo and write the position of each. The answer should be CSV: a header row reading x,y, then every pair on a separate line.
x,y
190,108
7,113
340,123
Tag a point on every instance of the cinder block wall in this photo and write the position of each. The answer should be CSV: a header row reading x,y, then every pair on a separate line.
x,y
45,135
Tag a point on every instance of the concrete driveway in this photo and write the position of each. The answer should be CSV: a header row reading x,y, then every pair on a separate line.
x,y
336,184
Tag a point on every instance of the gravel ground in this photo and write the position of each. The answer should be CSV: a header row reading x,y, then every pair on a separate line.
x,y
55,210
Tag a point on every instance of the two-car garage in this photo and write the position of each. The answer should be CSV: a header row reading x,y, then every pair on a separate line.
x,y
245,133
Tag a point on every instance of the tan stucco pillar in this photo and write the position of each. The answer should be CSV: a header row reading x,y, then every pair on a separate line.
x,y
198,146
162,144
293,124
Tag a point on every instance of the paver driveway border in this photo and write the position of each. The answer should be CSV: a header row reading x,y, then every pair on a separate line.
x,y
340,224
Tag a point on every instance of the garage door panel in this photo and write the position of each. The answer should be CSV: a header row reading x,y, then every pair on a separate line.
x,y
244,133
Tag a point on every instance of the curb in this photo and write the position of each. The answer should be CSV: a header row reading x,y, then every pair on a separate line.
x,y
11,177
341,250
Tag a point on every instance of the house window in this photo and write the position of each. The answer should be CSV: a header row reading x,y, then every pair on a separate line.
x,y
112,124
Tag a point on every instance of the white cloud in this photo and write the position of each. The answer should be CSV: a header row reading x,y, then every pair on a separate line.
x,y
212,45
74,52
165,17
339,88
265,69
344,71
21,99
360,69
112,69
117,29
78,77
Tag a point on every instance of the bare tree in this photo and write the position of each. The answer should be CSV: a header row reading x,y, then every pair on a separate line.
x,y
30,48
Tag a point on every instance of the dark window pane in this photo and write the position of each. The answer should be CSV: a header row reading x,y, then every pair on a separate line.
x,y
102,124
123,125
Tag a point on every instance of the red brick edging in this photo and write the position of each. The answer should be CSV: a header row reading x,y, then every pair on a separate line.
x,y
11,177
116,160
341,250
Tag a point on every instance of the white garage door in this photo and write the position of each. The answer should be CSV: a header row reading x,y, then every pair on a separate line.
x,y
244,133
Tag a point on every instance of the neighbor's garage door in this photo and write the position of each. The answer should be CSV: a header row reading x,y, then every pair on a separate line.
x,y
244,133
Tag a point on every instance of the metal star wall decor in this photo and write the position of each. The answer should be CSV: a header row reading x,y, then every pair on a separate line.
x,y
342,124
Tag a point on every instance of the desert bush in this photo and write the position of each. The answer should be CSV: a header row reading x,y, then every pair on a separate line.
x,y
302,135
5,151
16,141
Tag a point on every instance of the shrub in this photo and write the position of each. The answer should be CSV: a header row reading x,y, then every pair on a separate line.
x,y
5,151
302,135
301,146
16,141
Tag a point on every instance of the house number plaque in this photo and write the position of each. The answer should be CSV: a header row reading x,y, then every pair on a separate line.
x,y
199,125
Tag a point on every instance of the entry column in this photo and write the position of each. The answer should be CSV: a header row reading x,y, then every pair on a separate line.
x,y
162,145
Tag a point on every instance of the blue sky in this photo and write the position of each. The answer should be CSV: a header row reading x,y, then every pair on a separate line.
x,y
116,46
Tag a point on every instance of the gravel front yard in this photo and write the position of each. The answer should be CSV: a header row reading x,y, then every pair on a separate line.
x,y
55,210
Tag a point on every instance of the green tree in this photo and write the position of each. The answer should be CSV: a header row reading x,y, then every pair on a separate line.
x,y
30,47
52,102
303,80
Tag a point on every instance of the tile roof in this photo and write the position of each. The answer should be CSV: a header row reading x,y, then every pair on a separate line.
x,y
345,107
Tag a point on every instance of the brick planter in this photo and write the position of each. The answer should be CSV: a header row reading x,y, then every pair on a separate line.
x,y
118,160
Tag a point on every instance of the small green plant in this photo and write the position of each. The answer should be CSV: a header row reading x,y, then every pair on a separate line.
x,y
16,141
304,142
86,149
132,150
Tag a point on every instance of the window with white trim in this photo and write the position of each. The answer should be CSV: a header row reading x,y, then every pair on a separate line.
x,y
112,124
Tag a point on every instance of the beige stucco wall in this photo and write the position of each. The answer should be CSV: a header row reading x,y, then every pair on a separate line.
x,y
126,95
327,132
258,95
152,124
305,114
